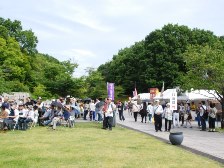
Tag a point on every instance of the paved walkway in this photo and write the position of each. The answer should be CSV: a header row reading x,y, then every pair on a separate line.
x,y
210,144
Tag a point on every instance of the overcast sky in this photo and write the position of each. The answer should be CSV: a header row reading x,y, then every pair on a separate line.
x,y
90,32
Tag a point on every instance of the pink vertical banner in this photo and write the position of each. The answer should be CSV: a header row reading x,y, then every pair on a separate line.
x,y
110,90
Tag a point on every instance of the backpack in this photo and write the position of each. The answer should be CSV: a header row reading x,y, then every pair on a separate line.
x,y
205,115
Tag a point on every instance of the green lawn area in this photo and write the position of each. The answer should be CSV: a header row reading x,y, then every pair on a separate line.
x,y
87,145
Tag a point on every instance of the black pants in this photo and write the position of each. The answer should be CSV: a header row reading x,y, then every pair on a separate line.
x,y
85,114
135,115
169,122
121,115
211,123
144,116
182,118
158,122
109,122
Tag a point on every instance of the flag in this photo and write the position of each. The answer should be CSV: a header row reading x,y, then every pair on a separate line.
x,y
135,93
110,90
162,90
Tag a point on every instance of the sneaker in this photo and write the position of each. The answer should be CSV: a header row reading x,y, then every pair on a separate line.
x,y
191,127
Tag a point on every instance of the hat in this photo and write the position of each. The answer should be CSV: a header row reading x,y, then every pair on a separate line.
x,y
168,104
157,100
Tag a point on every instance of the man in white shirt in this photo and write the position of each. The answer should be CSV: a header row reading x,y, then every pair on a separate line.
x,y
92,107
150,111
158,111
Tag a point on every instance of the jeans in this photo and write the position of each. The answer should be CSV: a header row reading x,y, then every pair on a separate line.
x,y
203,124
199,119
150,117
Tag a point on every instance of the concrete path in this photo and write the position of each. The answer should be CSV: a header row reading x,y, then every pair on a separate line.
x,y
210,144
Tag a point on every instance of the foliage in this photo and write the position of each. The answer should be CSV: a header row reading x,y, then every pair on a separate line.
x,y
156,59
205,70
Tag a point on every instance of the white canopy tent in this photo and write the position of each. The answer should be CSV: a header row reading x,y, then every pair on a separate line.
x,y
143,97
165,95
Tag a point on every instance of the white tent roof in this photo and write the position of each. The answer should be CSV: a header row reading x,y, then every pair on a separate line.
x,y
198,95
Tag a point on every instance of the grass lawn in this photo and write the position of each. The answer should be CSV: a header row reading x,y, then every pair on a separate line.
x,y
87,145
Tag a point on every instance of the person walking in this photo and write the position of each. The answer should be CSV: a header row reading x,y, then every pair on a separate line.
x,y
135,110
189,116
120,108
144,112
150,111
158,111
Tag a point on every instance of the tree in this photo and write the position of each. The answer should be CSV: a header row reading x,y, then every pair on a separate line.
x,y
205,70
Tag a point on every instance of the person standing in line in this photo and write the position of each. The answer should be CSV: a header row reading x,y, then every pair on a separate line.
x,y
212,117
150,111
158,111
176,116
120,108
168,116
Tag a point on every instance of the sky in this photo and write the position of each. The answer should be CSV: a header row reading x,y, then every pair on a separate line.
x,y
90,32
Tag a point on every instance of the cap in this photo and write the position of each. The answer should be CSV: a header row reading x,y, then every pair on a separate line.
x,y
157,100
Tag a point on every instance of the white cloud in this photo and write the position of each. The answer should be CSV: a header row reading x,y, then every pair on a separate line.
x,y
91,32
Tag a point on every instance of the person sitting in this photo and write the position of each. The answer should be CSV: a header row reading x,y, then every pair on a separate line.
x,y
29,116
4,115
57,116
52,112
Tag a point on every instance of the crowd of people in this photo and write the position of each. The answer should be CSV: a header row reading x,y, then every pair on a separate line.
x,y
183,116
21,114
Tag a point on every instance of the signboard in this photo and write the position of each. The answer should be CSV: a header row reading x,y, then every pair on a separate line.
x,y
173,100
153,92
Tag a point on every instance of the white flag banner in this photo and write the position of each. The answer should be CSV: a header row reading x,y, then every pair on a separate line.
x,y
173,100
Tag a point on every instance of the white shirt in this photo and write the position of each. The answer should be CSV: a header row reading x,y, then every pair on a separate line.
x,y
109,112
158,109
168,113
92,106
202,109
150,109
